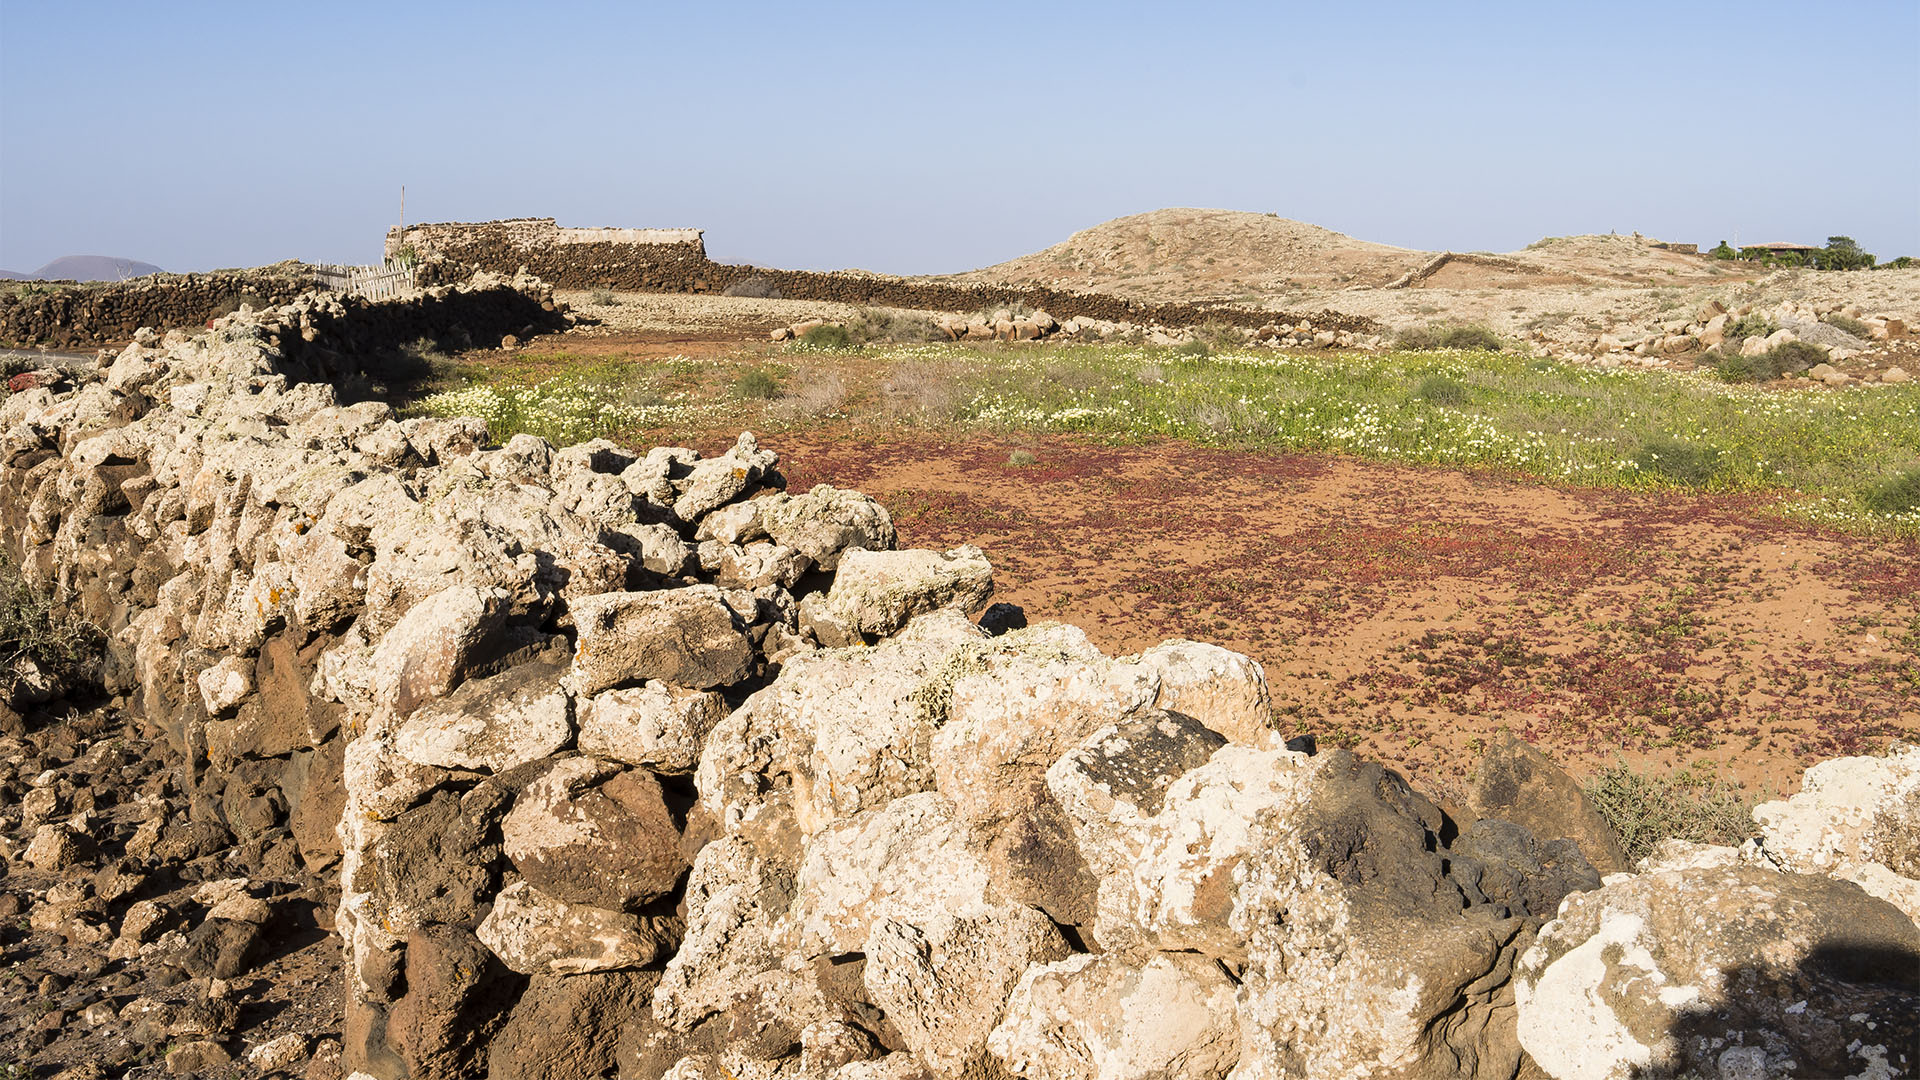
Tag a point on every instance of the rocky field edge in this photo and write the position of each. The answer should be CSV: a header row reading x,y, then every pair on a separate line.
x,y
613,763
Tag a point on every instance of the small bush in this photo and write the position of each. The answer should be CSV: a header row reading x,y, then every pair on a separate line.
x,y
602,298
1645,808
1195,348
826,336
1678,462
66,650
1219,335
1449,336
1747,326
872,325
1897,496
1022,458
757,383
756,287
1440,390
1473,337
1796,356
1850,325
1733,368
1790,357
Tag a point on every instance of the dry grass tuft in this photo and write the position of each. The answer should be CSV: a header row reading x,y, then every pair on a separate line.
x,y
925,389
809,394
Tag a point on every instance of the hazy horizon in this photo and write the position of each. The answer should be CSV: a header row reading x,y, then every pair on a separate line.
x,y
920,141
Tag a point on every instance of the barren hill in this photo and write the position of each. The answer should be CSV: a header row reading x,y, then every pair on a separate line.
x,y
90,268
1188,254
1227,255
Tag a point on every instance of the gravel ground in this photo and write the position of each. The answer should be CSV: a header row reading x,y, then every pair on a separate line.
x,y
640,312
1574,313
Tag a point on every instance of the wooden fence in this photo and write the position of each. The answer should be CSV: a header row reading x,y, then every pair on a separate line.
x,y
373,282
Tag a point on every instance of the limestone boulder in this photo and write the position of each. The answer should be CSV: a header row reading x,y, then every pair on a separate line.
x,y
941,982
1090,1017
1849,812
58,846
874,593
1222,689
758,564
493,724
906,861
839,731
1362,956
587,832
1163,811
738,523
535,933
1008,707
226,684
656,725
737,898
1722,971
658,547
686,637
429,650
714,482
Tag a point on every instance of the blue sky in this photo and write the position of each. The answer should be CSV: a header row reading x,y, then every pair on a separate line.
x,y
933,138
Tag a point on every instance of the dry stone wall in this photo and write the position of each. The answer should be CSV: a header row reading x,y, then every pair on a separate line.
x,y
508,247
528,234
63,315
635,763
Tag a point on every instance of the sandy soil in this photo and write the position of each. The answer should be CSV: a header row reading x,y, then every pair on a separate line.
x,y
1416,612
694,317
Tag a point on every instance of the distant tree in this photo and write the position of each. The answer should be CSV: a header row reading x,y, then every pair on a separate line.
x,y
1843,254
1900,263
1724,252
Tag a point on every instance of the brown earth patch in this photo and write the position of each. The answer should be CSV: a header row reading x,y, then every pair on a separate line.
x,y
1415,612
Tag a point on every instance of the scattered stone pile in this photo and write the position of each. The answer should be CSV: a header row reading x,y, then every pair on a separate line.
x,y
1792,321
1008,324
637,764
141,935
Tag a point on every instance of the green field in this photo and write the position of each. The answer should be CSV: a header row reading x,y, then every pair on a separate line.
x,y
1848,457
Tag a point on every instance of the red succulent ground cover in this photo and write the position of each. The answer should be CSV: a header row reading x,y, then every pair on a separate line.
x,y
1414,612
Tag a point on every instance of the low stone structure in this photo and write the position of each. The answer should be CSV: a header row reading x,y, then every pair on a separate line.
x,y
67,316
529,235
659,260
635,762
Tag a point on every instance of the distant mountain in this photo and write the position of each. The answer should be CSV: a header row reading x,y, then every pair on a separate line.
x,y
88,268
14,275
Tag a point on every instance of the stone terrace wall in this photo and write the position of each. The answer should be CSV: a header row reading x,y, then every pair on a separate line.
x,y
506,247
530,234
635,763
87,315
